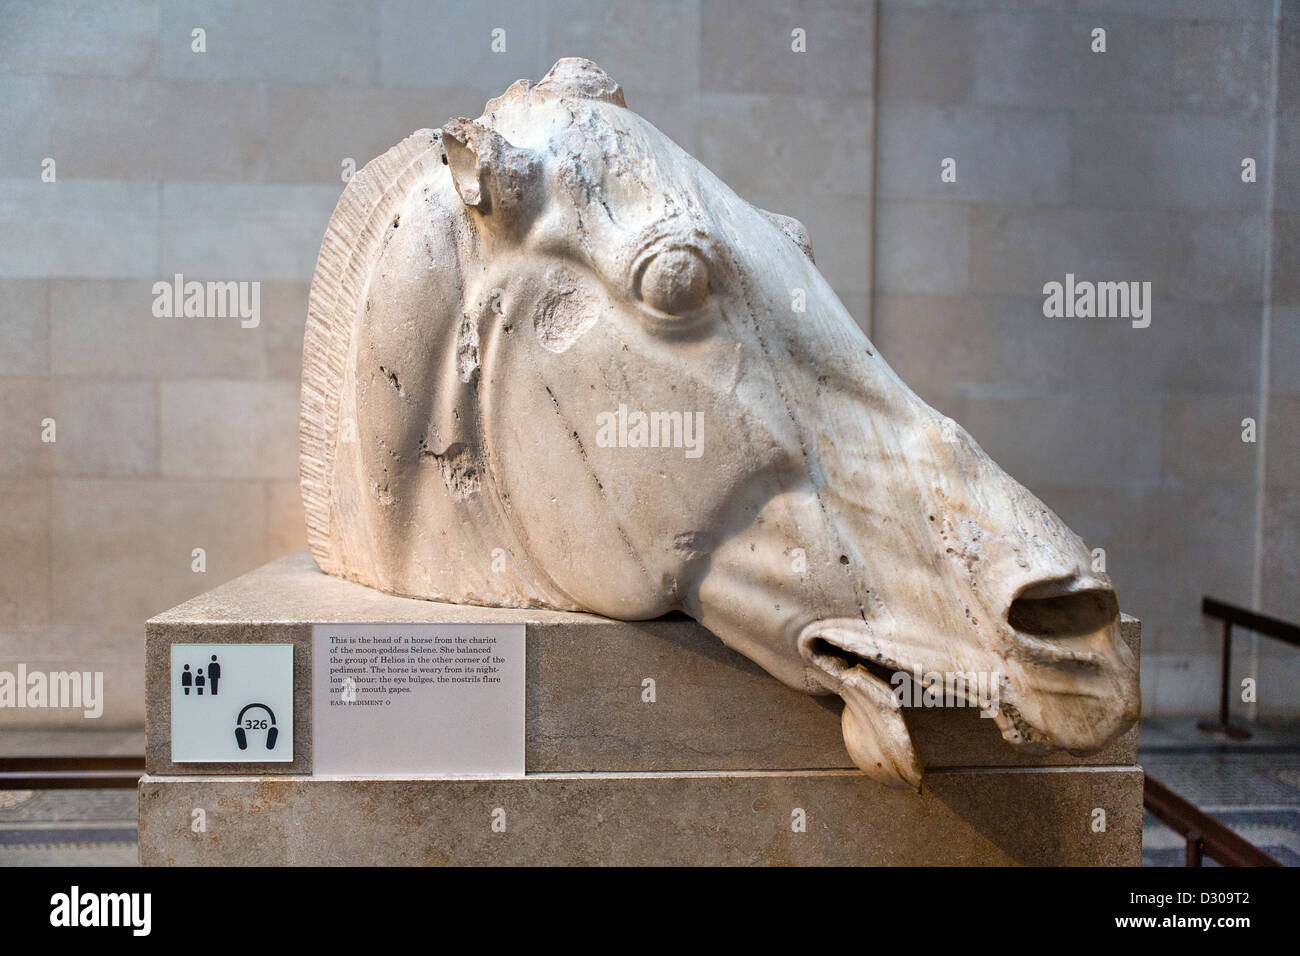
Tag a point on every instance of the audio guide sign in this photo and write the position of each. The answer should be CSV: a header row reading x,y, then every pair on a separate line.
x,y
232,703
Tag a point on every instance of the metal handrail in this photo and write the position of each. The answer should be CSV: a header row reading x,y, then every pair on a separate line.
x,y
1231,615
1205,835
71,773
1252,620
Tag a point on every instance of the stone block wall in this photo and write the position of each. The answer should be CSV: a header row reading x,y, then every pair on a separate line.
x,y
174,434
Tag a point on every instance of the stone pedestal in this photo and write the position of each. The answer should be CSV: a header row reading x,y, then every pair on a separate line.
x,y
727,766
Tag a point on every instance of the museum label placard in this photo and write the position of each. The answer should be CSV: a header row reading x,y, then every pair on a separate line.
x,y
436,700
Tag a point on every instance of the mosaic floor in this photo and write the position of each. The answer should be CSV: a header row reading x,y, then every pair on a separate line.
x,y
1252,786
68,828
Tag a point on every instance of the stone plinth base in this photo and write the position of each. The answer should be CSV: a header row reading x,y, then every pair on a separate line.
x,y
836,817
727,766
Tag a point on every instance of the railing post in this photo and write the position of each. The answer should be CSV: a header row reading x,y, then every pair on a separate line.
x,y
1226,671
1225,726
1195,848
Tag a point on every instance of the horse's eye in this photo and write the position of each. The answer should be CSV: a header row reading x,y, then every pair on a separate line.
x,y
675,281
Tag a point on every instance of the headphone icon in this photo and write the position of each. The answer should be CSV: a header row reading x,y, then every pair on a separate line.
x,y
241,737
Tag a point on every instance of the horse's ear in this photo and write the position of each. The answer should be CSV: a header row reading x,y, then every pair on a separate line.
x,y
490,174
796,231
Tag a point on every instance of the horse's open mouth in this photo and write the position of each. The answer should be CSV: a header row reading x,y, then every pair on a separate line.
x,y
839,661
1066,667
875,732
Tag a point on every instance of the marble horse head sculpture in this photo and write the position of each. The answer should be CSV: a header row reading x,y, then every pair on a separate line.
x,y
552,361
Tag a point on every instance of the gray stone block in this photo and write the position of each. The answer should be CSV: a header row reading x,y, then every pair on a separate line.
x,y
1177,160
924,247
1288,55
1286,258
1249,10
286,525
982,817
324,41
1169,355
244,230
24,315
61,647
75,227
1222,66
646,47
749,47
146,129
1201,443
1216,523
284,314
1002,155
1211,256
715,710
924,55
1283,449
939,345
788,147
27,403
229,429
106,328
111,38
1226,257
1281,553
1286,161
123,547
462,35
1095,439
25,551
25,118
312,129
1046,59
106,427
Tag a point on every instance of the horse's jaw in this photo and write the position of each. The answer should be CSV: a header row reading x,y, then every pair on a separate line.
x,y
807,588
1073,696
783,607
875,733
824,656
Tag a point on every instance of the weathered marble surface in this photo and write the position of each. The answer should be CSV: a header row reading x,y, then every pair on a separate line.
x,y
715,709
488,294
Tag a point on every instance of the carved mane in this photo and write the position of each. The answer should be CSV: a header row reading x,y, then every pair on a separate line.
x,y
352,243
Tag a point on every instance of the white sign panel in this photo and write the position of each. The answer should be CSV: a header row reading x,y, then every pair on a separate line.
x,y
424,700
232,703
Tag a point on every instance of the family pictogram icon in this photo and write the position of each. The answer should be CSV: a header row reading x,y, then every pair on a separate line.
x,y
198,680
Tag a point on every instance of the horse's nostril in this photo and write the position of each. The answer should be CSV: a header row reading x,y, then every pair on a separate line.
x,y
1063,615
